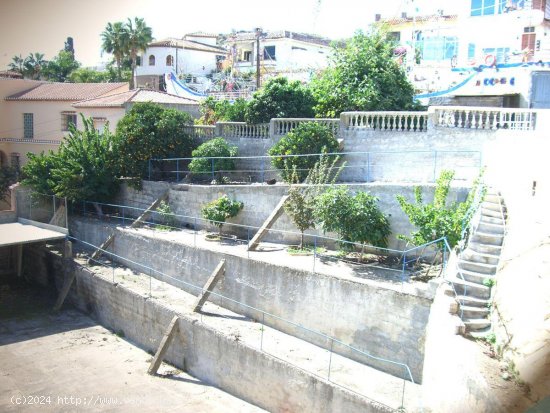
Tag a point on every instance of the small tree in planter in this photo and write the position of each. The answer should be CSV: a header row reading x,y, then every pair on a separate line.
x,y
217,147
299,205
221,209
355,218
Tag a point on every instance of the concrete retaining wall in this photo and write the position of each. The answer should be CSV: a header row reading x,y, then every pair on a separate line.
x,y
207,354
381,321
260,200
7,217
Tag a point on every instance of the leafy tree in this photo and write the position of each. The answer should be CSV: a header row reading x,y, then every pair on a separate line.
x,y
214,110
280,98
221,209
217,147
138,36
150,131
8,176
300,203
59,69
306,138
439,218
363,76
17,64
84,168
355,218
85,75
115,41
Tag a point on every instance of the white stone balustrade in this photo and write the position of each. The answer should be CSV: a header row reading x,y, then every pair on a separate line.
x,y
464,117
242,130
201,131
402,121
281,126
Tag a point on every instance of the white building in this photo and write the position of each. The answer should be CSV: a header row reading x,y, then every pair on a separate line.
x,y
194,55
294,55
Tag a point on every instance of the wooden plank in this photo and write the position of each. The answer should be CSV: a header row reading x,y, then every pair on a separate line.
x,y
268,223
164,344
97,253
58,218
209,286
67,282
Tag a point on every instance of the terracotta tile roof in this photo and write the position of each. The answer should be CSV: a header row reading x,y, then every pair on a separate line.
x,y
12,74
187,44
202,34
66,91
281,34
133,96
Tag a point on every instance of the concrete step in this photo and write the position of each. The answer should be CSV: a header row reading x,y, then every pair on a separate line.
x,y
476,324
492,197
490,212
479,257
482,248
491,220
474,277
491,206
471,312
478,267
486,238
469,301
491,228
471,289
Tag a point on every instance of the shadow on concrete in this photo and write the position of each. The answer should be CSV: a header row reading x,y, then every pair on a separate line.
x,y
26,312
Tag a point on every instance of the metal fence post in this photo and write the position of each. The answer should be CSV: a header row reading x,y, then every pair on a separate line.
x,y
195,233
213,174
247,241
177,170
403,267
30,206
263,328
263,170
149,167
435,164
314,252
53,198
330,358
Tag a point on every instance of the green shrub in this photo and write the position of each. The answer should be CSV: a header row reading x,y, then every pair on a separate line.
x,y
355,218
214,110
217,147
306,138
217,211
166,216
437,219
280,98
8,176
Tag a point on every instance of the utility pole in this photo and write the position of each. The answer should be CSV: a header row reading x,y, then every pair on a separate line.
x,y
258,79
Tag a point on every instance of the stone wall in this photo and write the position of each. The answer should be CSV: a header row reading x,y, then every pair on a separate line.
x,y
382,321
205,353
260,200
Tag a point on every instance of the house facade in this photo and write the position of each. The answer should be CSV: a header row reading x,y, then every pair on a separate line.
x,y
35,116
286,53
193,55
480,33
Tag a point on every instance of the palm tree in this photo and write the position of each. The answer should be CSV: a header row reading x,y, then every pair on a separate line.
x,y
114,40
16,64
139,35
33,65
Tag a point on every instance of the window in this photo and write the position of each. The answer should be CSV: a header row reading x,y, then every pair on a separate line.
x,y
138,60
269,53
152,60
247,55
28,125
67,119
99,124
439,48
169,60
394,36
15,160
487,7
471,51
500,53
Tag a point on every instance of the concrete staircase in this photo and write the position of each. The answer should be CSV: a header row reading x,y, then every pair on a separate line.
x,y
477,265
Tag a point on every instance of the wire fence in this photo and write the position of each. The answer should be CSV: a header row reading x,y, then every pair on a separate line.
x,y
398,266
329,359
43,208
404,166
